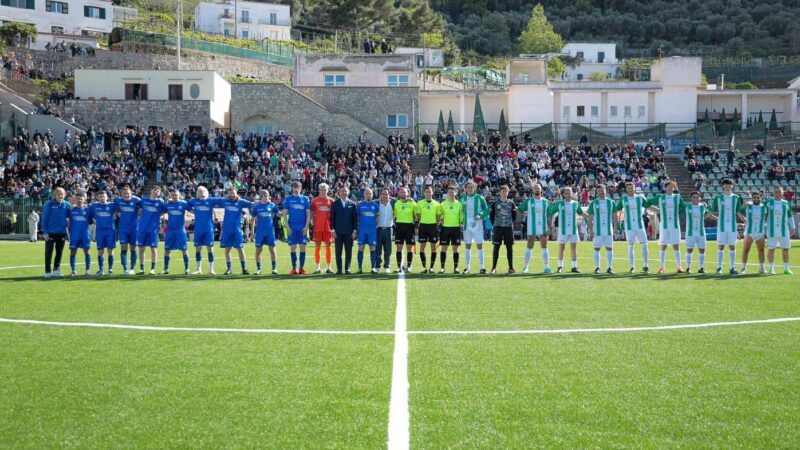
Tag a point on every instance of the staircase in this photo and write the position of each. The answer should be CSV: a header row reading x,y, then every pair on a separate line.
x,y
677,171
150,183
420,164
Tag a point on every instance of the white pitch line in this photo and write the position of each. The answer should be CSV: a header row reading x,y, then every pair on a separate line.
x,y
186,329
398,404
614,330
21,267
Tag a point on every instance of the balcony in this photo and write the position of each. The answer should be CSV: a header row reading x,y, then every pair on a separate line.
x,y
277,23
226,16
244,20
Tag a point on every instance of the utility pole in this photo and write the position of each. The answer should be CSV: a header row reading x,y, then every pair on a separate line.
x,y
235,19
180,25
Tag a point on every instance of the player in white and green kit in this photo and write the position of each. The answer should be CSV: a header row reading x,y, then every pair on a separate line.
x,y
669,206
754,231
569,211
696,214
633,206
780,226
727,206
475,210
535,210
601,223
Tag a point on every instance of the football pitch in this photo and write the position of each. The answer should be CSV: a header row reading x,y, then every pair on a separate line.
x,y
426,361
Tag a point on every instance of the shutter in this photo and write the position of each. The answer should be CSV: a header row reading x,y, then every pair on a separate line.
x,y
102,13
143,92
30,4
128,91
85,11
5,2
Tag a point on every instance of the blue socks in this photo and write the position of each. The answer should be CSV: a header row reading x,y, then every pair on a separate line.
x,y
133,259
228,264
87,259
274,265
294,260
110,262
258,265
186,261
360,259
198,258
101,261
72,262
302,259
243,264
166,263
124,256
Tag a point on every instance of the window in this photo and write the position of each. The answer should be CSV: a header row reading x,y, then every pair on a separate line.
x,y
226,32
627,111
579,77
135,91
397,121
613,111
579,55
398,80
24,4
273,18
245,34
94,12
57,30
642,111
334,80
175,92
245,16
565,111
57,7
595,111
601,56
581,111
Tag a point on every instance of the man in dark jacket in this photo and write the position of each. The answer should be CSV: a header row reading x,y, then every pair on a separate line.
x,y
344,220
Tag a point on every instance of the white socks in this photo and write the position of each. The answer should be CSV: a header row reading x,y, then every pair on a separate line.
x,y
662,257
732,258
702,260
546,257
597,258
560,263
631,255
678,257
468,258
480,258
688,260
645,254
609,257
527,257
719,257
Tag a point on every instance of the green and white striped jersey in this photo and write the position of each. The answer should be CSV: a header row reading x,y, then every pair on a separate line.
x,y
726,207
474,205
669,208
602,212
695,219
756,215
568,212
633,208
779,218
536,213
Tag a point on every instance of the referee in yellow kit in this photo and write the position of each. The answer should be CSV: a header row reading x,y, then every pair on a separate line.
x,y
428,214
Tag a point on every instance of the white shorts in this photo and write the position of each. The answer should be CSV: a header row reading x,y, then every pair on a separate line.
x,y
474,234
602,241
636,235
782,242
669,237
756,236
727,238
568,238
696,241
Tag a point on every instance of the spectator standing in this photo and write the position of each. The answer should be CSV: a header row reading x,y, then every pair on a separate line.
x,y
33,224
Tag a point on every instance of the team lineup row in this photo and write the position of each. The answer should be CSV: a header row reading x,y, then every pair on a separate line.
x,y
376,224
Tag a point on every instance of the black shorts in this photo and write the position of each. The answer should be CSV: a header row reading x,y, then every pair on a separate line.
x,y
503,235
404,234
450,236
428,232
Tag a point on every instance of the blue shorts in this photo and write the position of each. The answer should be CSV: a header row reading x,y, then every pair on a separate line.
x,y
82,242
175,240
297,237
203,238
368,237
105,239
231,239
146,238
127,237
266,239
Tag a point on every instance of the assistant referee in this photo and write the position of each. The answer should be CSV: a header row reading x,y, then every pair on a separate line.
x,y
404,229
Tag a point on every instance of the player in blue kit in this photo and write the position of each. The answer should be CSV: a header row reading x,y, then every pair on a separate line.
x,y
127,206
175,238
264,211
79,237
103,214
232,236
203,208
147,236
297,210
368,230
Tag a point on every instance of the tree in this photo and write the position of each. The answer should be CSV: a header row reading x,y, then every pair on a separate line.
x,y
737,121
706,117
555,67
760,117
773,121
502,127
598,76
10,30
450,127
722,124
478,124
440,128
539,37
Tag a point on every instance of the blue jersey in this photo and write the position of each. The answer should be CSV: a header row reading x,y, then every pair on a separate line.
x,y
128,213
203,214
176,215
79,223
297,205
232,221
103,215
263,212
368,215
151,214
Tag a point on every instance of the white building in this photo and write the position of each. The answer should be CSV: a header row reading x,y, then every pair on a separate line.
x,y
595,58
373,70
81,21
244,19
